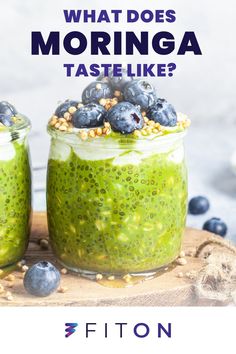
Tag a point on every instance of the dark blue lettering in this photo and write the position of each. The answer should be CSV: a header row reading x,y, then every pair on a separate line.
x,y
146,333
81,71
53,43
103,16
132,41
117,14
167,47
72,15
82,43
170,16
94,70
99,41
189,44
161,328
147,16
68,69
132,16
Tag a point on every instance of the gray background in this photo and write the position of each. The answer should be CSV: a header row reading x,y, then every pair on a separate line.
x,y
203,87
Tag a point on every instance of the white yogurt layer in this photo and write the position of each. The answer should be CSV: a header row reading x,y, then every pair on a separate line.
x,y
7,152
94,150
59,150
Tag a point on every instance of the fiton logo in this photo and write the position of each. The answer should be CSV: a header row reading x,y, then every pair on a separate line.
x,y
70,329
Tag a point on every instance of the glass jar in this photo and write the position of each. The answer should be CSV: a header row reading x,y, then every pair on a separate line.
x,y
15,192
116,205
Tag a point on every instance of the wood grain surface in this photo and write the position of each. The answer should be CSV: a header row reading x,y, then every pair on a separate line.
x,y
165,290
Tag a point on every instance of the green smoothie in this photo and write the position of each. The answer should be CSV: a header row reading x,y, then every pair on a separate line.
x,y
116,205
15,192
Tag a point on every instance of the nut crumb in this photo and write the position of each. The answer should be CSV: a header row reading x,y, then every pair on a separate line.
x,y
72,110
102,102
62,289
127,278
44,244
191,275
8,296
99,277
111,277
64,271
10,277
180,275
182,254
24,268
181,261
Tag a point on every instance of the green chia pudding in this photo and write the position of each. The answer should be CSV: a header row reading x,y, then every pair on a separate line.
x,y
116,191
15,185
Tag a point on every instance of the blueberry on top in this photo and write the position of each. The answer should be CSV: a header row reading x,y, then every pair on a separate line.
x,y
216,225
163,112
95,91
140,92
7,111
88,116
42,279
198,205
63,107
124,117
119,82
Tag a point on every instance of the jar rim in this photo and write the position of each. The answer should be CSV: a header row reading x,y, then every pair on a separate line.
x,y
123,141
16,131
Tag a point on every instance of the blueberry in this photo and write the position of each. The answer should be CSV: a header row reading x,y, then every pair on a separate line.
x,y
216,225
198,205
125,118
7,109
163,112
42,279
63,107
88,116
140,92
95,91
119,82
104,78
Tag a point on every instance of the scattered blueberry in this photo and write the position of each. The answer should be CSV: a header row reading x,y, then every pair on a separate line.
x,y
163,112
63,107
198,205
42,279
140,92
95,91
125,118
119,82
88,116
216,225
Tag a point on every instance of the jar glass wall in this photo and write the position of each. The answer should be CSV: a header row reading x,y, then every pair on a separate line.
x,y
116,205
15,192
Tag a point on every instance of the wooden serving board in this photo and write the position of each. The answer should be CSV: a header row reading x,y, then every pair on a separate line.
x,y
165,290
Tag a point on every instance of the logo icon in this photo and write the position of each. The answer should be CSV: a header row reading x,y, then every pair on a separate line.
x,y
70,329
